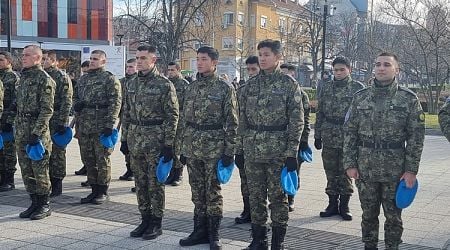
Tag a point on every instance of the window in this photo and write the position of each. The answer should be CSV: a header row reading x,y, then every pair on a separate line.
x,y
282,25
197,45
72,11
227,43
240,18
263,22
199,19
239,44
228,18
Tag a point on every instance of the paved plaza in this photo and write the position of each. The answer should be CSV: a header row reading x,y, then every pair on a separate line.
x,y
76,226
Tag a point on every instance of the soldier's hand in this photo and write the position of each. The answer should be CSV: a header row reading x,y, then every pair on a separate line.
x,y
167,153
227,160
7,127
304,145
352,173
409,178
78,106
183,159
107,131
318,144
240,161
34,140
291,164
124,148
60,129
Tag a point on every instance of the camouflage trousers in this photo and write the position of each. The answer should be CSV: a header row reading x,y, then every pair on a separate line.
x,y
263,180
8,158
372,195
35,174
149,192
97,159
205,188
244,185
338,182
58,162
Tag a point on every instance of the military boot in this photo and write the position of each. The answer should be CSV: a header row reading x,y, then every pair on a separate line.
x,y
344,210
333,206
213,230
82,171
199,235
2,178
245,215
178,177
43,210
34,205
171,177
7,182
139,231
128,175
85,184
91,196
56,187
259,238
278,234
154,229
291,203
370,248
102,195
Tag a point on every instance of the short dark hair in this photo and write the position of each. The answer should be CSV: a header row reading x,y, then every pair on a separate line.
x,y
99,52
390,54
148,48
50,53
177,66
7,55
291,67
341,60
212,52
85,64
131,60
284,66
273,45
252,60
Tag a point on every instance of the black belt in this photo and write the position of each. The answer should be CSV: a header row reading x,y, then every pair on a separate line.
x,y
96,106
205,126
28,115
267,128
382,145
147,123
336,121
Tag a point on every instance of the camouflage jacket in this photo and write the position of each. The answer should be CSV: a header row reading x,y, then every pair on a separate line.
x,y
35,95
100,92
63,97
334,100
150,112
210,119
123,84
10,81
384,133
306,117
444,119
180,85
271,117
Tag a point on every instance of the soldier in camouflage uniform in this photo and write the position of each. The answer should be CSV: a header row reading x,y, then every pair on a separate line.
x,y
253,69
289,70
271,123
130,74
444,119
209,127
8,157
383,142
334,100
174,75
150,117
35,95
59,120
97,103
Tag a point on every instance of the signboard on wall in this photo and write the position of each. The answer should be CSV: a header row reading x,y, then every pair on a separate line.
x,y
115,57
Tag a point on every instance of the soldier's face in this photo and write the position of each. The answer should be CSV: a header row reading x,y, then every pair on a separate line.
x,y
252,69
4,63
48,61
30,57
145,60
268,60
205,64
386,68
172,71
341,71
97,61
84,70
131,68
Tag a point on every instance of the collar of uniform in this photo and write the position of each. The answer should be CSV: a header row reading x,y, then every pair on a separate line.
x,y
277,70
130,76
32,68
101,69
387,90
342,82
202,77
50,69
151,73
8,69
175,78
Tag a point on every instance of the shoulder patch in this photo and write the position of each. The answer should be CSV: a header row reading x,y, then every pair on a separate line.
x,y
362,91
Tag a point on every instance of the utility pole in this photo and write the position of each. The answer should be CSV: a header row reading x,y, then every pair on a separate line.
x,y
8,24
324,30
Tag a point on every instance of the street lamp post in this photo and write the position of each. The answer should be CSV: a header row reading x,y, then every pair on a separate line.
x,y
327,11
8,24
